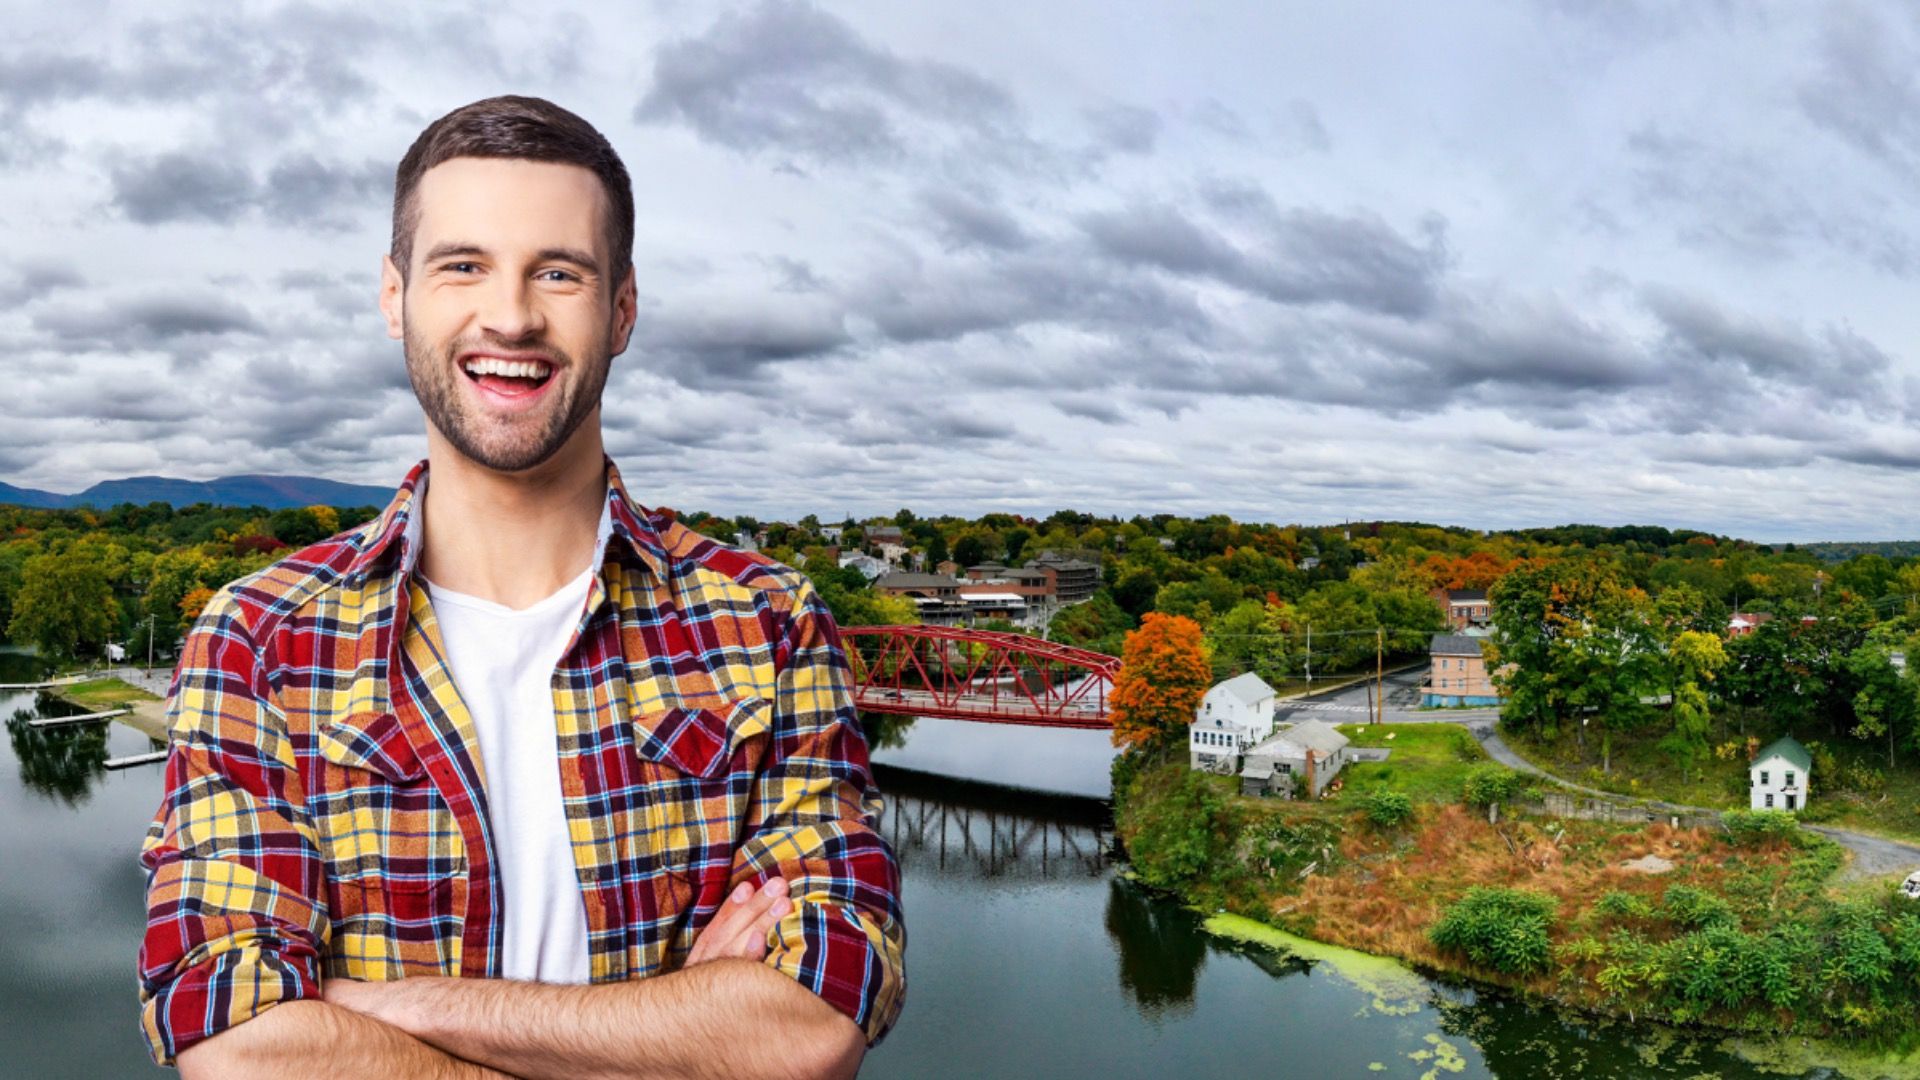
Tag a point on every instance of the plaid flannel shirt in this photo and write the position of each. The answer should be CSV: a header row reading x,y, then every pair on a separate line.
x,y
325,812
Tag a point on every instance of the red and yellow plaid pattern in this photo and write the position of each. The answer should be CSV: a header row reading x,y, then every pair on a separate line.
x,y
325,812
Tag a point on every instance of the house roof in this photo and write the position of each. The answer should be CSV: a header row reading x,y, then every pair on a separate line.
x,y
1314,735
1248,687
1790,749
1455,645
1466,595
904,579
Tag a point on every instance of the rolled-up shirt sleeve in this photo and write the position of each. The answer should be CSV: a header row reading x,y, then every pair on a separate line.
x,y
236,919
816,810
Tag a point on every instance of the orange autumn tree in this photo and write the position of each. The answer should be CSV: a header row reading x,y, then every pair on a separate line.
x,y
1164,672
192,604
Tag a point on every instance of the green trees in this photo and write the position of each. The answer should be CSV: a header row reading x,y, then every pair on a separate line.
x,y
1695,657
1573,643
64,605
1887,701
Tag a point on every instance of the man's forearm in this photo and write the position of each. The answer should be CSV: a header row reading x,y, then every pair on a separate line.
x,y
729,1018
299,1037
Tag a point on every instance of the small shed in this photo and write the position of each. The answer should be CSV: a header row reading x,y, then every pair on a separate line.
x,y
1778,775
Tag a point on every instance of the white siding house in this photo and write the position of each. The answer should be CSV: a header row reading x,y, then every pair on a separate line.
x,y
1233,716
1779,776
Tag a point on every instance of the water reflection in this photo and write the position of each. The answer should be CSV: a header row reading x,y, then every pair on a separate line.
x,y
954,828
61,763
884,731
1161,949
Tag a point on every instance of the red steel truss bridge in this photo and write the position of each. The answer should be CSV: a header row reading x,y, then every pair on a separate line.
x,y
985,675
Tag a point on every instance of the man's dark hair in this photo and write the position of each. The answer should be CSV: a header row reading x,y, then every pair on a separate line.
x,y
527,128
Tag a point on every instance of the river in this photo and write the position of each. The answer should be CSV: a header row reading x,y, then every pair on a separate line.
x,y
1030,953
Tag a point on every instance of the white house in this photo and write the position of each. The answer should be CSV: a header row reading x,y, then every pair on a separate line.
x,y
1779,776
1233,716
869,567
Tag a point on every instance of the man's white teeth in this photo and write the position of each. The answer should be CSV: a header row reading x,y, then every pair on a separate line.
x,y
513,369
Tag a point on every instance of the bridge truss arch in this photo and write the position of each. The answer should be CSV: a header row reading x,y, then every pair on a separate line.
x,y
963,674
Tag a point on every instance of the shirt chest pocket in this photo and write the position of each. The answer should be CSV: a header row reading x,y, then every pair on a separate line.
x,y
697,767
396,861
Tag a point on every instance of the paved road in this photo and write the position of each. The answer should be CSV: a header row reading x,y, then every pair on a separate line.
x,y
1352,704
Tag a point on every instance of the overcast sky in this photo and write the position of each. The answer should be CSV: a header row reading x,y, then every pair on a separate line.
x,y
1503,264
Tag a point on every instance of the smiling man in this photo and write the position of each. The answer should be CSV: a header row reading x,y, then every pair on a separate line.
x,y
520,777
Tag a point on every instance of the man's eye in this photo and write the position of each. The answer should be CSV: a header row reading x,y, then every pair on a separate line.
x,y
463,267
557,275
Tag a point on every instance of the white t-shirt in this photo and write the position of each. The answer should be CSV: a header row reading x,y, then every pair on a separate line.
x,y
502,661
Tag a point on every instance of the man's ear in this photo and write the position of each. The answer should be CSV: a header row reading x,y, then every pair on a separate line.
x,y
626,307
393,297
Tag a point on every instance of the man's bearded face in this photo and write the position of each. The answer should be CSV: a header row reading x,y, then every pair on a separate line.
x,y
502,437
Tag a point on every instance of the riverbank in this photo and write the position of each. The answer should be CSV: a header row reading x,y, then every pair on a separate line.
x,y
147,713
1741,932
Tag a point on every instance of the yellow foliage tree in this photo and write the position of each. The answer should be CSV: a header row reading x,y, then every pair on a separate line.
x,y
1164,672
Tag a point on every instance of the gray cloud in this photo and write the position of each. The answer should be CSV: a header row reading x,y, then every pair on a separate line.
x,y
145,322
209,187
1295,255
1866,90
785,76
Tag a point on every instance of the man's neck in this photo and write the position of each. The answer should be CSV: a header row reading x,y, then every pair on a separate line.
x,y
512,538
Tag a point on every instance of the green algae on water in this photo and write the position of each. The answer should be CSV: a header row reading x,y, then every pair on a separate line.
x,y
1396,990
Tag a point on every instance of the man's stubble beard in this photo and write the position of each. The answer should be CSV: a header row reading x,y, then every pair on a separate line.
x,y
522,442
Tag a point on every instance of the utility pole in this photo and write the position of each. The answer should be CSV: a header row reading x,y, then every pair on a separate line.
x,y
1380,673
150,628
1309,656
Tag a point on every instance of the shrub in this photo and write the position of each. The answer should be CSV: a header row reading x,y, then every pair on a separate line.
x,y
1501,929
1388,809
1181,834
1695,908
1622,905
1862,778
1758,826
1492,783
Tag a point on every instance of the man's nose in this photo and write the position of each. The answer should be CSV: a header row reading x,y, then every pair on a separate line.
x,y
511,311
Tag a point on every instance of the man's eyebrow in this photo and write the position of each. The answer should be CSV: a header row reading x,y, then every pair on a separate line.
x,y
449,249
573,255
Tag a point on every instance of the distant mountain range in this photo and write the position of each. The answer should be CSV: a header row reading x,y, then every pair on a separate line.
x,y
272,492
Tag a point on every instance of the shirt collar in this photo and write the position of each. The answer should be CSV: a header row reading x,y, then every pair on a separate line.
x,y
396,533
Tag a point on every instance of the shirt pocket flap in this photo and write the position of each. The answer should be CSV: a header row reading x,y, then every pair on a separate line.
x,y
372,741
700,741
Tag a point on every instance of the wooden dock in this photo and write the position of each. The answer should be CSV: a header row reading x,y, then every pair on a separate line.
x,y
84,718
48,685
150,758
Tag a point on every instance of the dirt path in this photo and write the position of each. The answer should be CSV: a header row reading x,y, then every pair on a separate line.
x,y
1873,856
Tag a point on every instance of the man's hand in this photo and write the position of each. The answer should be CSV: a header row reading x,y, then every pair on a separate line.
x,y
740,927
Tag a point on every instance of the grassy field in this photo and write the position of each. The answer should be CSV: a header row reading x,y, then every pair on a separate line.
x,y
100,695
1429,762
1641,768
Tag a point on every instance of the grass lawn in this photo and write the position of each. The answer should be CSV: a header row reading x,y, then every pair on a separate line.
x,y
1641,768
100,695
1429,763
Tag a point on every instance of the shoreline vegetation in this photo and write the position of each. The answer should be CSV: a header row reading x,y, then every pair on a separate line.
x,y
1744,931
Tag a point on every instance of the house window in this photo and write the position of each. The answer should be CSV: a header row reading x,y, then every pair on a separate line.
x,y
1769,800
1763,778
1789,777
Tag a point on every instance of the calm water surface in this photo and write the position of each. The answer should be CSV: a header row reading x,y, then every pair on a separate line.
x,y
1029,954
